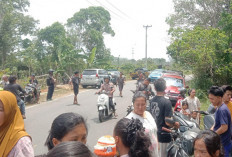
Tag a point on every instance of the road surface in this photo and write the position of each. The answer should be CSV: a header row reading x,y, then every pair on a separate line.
x,y
40,117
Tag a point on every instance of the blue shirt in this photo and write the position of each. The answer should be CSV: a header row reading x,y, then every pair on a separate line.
x,y
222,116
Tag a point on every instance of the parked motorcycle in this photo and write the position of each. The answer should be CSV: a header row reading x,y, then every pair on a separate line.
x,y
185,123
182,143
30,96
103,107
209,119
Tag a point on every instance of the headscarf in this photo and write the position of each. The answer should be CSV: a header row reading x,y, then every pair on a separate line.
x,y
12,128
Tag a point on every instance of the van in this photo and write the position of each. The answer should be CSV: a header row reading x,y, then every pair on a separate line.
x,y
93,77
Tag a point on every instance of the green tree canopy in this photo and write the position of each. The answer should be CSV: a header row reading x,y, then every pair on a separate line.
x,y
90,25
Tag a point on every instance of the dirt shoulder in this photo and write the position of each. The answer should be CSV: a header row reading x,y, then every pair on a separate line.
x,y
59,92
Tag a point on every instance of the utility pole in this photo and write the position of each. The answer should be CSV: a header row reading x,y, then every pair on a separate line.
x,y
118,61
146,27
133,53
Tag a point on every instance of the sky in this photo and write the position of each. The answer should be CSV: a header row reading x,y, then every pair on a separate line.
x,y
127,20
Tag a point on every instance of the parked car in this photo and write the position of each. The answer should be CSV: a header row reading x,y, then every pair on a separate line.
x,y
136,72
114,75
93,77
174,83
156,74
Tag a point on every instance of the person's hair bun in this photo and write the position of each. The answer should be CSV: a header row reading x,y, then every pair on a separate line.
x,y
134,126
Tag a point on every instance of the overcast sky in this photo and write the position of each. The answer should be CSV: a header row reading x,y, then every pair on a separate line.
x,y
128,19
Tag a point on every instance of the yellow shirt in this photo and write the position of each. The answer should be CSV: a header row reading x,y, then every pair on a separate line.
x,y
229,105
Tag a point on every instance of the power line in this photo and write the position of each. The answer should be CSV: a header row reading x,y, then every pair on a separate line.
x,y
109,9
90,3
117,9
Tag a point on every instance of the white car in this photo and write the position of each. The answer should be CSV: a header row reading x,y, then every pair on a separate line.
x,y
93,77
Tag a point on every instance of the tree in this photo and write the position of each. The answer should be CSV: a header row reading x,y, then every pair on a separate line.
x,y
13,25
204,51
90,25
191,13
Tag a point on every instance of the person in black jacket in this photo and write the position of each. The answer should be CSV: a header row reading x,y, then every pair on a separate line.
x,y
50,84
15,88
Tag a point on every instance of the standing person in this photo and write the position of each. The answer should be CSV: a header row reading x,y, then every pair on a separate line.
x,y
141,78
194,103
51,85
161,109
145,87
208,144
139,112
108,87
67,127
222,124
227,97
4,81
120,83
75,82
14,140
15,88
130,138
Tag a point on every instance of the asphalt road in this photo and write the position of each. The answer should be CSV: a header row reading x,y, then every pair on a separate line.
x,y
40,117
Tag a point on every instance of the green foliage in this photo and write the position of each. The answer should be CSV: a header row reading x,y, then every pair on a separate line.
x,y
201,35
13,26
91,56
190,13
90,24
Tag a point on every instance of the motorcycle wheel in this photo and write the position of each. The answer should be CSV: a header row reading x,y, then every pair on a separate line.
x,y
101,115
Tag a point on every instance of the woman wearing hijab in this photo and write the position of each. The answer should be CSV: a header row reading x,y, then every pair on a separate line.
x,y
14,141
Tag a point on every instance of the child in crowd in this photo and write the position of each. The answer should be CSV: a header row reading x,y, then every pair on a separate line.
x,y
194,117
185,109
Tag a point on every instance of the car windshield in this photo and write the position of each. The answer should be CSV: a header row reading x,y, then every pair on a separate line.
x,y
173,82
113,72
89,72
156,73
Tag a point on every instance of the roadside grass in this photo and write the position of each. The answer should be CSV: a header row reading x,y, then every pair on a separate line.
x,y
204,106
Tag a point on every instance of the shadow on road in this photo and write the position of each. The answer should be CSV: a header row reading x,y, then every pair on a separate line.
x,y
96,120
73,105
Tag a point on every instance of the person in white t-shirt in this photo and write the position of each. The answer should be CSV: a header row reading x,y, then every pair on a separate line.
x,y
139,112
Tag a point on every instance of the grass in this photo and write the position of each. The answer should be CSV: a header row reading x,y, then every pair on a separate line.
x,y
204,106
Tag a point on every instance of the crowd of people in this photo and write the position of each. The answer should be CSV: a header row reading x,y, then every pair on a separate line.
x,y
139,134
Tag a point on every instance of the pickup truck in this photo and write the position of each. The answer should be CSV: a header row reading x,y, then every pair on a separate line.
x,y
136,72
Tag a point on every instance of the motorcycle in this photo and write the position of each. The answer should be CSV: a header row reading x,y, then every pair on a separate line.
x,y
103,107
185,123
30,96
209,119
182,143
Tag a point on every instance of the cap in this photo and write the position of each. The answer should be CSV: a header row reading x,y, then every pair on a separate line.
x,y
106,77
51,70
105,146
